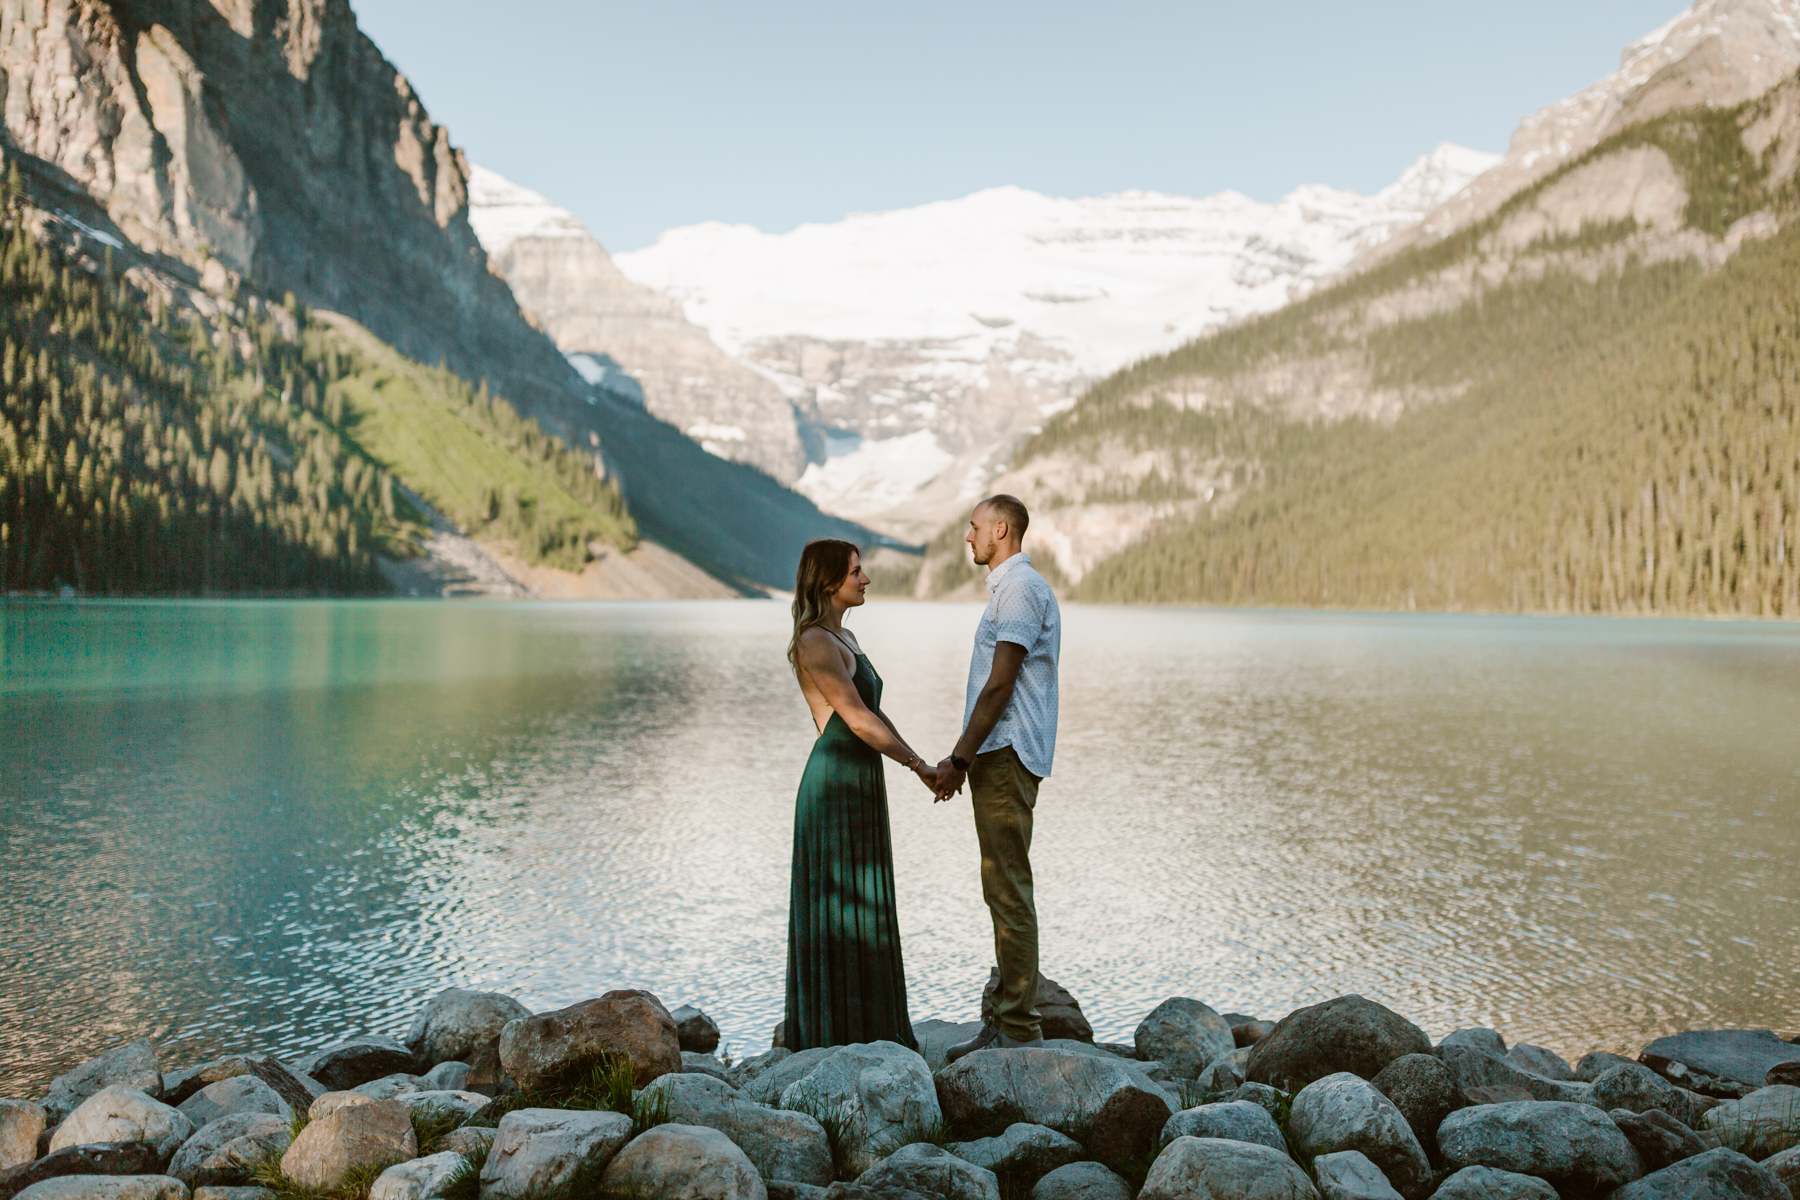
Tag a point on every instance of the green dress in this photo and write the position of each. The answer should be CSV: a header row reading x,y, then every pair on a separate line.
x,y
845,982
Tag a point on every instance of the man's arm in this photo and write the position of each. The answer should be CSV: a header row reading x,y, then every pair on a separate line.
x,y
990,706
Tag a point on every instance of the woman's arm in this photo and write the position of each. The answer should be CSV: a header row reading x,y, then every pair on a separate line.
x,y
819,659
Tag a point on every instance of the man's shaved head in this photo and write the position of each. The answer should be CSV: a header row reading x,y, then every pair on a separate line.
x,y
1011,510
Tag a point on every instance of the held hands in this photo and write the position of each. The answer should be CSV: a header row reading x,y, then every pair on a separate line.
x,y
947,781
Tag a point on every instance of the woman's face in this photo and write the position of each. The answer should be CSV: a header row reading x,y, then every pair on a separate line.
x,y
849,593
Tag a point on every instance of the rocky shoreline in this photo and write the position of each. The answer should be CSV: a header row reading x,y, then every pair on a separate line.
x,y
620,1097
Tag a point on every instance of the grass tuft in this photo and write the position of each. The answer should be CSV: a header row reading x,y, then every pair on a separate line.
x,y
356,1183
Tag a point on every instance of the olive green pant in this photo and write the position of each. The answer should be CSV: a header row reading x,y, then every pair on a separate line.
x,y
1004,793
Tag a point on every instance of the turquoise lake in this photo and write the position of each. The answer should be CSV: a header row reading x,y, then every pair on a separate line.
x,y
261,825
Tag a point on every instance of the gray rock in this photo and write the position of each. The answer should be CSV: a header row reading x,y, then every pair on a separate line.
x,y
554,1048
541,1150
935,1037
121,1114
1718,1174
473,1142
1659,1139
696,1030
234,1193
1223,1074
455,1024
746,1075
1765,1122
1094,1099
1346,1034
1477,1037
132,1065
1185,1035
447,1077
298,1091
1082,1181
427,1178
785,1190
1230,1120
22,1123
1485,1079
1540,1061
1591,1066
1273,1101
1424,1091
1636,1087
934,1172
1250,1032
1786,1167
225,1151
456,1107
1060,1013
1149,1075
1572,1146
389,1086
330,1102
683,1162
239,1094
881,1093
356,1061
1022,1154
1349,1175
107,1187
704,1064
1491,1183
1343,1112
781,1145
1719,1062
1214,1169
373,1135
114,1158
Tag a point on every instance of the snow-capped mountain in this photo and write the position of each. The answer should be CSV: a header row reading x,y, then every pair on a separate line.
x,y
921,344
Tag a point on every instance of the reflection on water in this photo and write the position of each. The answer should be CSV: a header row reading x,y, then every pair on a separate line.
x,y
236,826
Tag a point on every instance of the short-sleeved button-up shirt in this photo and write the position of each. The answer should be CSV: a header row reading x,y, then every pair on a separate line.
x,y
1021,609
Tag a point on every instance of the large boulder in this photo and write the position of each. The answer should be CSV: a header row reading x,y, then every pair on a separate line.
x,y
1636,1087
456,1023
544,1150
762,1077
879,1095
1344,1112
1719,1174
1215,1169
370,1136
1491,1183
1059,1013
356,1061
1476,1037
132,1065
22,1123
428,1178
1148,1074
107,1187
400,1083
556,1048
1540,1061
1659,1139
113,1158
1229,1120
931,1171
1785,1167
1719,1062
298,1091
225,1151
1590,1067
1349,1175
1184,1035
330,1102
1764,1122
1487,1079
121,1114
1573,1146
239,1094
1346,1034
1094,1099
1022,1154
683,1162
1082,1181
694,1063
788,1146
1424,1091
698,1032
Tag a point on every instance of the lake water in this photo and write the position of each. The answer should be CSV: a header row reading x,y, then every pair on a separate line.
x,y
238,826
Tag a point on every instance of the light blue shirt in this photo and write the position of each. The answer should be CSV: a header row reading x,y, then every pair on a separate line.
x,y
1021,609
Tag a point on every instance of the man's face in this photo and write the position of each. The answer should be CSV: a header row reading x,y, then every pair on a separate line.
x,y
982,536
850,592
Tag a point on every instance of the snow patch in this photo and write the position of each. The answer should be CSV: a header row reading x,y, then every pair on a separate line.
x,y
866,476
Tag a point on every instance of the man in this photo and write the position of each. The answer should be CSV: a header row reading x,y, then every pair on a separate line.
x,y
1009,737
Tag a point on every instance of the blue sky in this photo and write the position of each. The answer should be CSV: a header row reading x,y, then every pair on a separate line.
x,y
643,116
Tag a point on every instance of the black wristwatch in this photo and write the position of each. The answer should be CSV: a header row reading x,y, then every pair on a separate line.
x,y
961,764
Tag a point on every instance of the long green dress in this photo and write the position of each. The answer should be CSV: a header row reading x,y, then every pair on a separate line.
x,y
845,982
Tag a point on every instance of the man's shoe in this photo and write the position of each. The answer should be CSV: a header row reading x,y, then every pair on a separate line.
x,y
988,1036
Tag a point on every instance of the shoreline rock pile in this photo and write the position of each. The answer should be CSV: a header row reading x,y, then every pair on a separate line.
x,y
618,1096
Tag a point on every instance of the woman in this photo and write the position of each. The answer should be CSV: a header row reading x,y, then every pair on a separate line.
x,y
845,982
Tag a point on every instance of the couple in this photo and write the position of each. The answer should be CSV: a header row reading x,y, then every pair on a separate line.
x,y
845,980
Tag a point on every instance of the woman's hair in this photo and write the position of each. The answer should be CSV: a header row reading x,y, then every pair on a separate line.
x,y
823,566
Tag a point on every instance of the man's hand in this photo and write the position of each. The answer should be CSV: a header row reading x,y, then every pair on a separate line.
x,y
949,780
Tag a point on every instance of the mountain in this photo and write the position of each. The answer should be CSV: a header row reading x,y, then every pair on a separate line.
x,y
1581,400
919,346
233,152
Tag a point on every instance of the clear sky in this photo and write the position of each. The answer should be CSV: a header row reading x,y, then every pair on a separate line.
x,y
640,115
